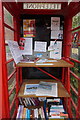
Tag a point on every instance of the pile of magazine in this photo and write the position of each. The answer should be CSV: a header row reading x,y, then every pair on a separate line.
x,y
41,89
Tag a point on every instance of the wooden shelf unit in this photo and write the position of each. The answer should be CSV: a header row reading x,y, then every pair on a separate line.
x,y
62,92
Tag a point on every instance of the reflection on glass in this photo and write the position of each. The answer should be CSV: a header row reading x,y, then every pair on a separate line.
x,y
11,82
73,111
8,54
13,110
74,97
8,18
9,34
76,68
11,97
74,82
10,67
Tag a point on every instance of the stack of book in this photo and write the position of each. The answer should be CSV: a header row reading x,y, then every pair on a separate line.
x,y
30,113
55,109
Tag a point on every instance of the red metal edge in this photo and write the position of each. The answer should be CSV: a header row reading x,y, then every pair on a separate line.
x,y
75,28
74,60
67,60
10,76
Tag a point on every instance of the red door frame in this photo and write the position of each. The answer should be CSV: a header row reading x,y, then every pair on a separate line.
x,y
5,107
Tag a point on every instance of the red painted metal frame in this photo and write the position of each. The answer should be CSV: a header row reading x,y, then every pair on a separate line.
x,y
9,61
9,27
13,102
47,73
75,60
12,89
11,75
75,28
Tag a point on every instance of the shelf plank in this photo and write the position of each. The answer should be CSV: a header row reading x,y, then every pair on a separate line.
x,y
62,92
59,63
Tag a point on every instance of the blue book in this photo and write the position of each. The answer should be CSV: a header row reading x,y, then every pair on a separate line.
x,y
28,114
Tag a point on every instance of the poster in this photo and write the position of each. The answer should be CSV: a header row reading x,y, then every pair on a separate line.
x,y
29,28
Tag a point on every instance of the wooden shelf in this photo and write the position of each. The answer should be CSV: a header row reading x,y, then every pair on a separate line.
x,y
62,92
59,63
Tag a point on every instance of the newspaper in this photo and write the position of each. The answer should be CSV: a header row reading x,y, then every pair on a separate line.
x,y
47,89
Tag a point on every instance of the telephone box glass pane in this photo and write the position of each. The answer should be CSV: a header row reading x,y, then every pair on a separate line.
x,y
73,111
13,110
8,53
74,97
74,82
9,34
8,18
11,97
76,20
10,67
76,68
11,82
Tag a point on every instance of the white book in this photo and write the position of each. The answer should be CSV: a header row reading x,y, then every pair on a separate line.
x,y
20,111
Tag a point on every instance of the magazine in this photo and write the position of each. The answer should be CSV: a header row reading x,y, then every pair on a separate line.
x,y
47,89
30,89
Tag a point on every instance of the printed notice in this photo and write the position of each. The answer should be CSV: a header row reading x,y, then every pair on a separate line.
x,y
57,34
57,49
55,23
40,46
28,46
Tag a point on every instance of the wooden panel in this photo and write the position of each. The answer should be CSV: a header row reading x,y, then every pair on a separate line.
x,y
62,92
59,63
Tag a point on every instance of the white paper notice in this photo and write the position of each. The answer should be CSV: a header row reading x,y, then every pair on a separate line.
x,y
40,46
15,51
58,34
57,51
28,46
55,23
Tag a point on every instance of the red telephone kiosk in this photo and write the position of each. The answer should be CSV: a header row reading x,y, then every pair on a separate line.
x,y
65,72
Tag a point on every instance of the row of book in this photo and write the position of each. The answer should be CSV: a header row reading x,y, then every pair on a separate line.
x,y
37,113
29,101
55,109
